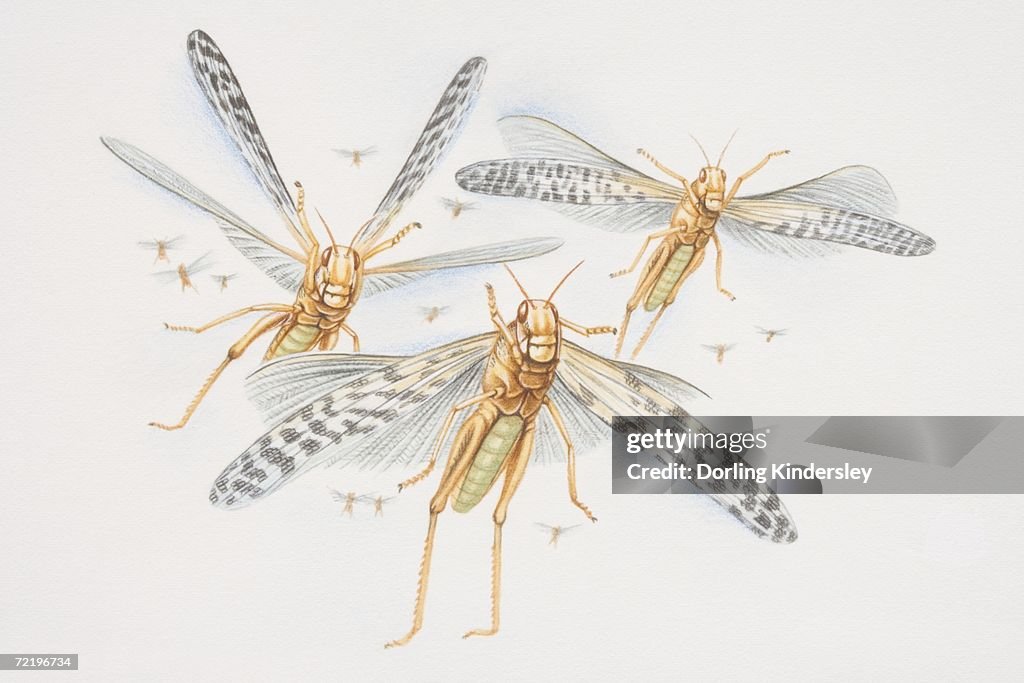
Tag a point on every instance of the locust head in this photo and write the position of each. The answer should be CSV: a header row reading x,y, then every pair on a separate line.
x,y
338,268
537,330
339,271
709,187
537,327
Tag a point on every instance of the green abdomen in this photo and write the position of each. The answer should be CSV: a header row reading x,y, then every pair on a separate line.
x,y
300,338
487,462
669,277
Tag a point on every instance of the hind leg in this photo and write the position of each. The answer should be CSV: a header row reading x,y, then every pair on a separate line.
x,y
469,437
513,476
693,265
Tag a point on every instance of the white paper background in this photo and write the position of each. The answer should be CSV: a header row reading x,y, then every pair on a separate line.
x,y
109,547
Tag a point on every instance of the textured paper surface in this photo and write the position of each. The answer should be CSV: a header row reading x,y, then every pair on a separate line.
x,y
109,547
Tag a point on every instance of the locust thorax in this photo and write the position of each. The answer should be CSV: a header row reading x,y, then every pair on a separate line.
x,y
337,275
537,330
710,188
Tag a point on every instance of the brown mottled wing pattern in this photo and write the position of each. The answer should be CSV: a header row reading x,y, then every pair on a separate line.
x,y
223,92
572,176
851,206
443,126
609,388
355,422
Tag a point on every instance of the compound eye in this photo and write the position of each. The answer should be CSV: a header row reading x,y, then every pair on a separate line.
x,y
703,175
523,312
723,176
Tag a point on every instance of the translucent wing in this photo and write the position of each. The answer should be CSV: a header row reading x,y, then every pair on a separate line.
x,y
174,241
553,165
372,149
223,92
359,422
284,385
403,272
166,276
442,128
280,263
537,138
586,428
850,206
607,389
200,264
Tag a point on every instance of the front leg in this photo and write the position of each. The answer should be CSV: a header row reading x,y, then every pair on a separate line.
x,y
587,331
739,180
393,241
570,457
718,268
500,324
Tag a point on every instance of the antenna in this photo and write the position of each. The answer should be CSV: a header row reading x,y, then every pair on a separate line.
x,y
334,245
701,149
722,155
562,281
518,284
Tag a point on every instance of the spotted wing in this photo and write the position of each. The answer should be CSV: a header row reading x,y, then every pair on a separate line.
x,y
218,82
555,166
282,264
283,386
379,418
607,388
443,126
393,275
587,428
850,206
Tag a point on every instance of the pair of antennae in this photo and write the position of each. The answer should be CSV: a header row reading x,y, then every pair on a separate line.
x,y
552,294
720,156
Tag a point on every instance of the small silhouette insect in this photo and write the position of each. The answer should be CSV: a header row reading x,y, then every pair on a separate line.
x,y
349,499
161,247
770,334
184,274
555,531
432,313
356,155
457,206
719,350
223,279
377,501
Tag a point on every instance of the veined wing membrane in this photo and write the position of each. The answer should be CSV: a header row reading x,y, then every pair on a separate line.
x,y
860,189
442,128
282,264
393,275
552,165
804,220
608,389
331,428
218,82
